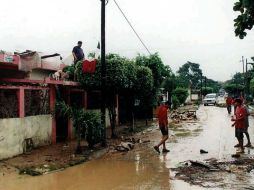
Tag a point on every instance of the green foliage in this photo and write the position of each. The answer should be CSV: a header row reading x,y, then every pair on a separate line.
x,y
144,82
159,73
181,94
235,85
175,102
207,90
252,86
245,19
189,73
169,84
233,88
122,76
212,85
70,69
87,123
159,70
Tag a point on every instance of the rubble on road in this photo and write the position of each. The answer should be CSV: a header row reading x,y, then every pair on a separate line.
x,y
184,114
212,171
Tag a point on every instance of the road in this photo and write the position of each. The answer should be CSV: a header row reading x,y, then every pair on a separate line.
x,y
142,168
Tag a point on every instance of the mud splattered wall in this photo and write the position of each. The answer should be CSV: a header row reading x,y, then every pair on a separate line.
x,y
15,131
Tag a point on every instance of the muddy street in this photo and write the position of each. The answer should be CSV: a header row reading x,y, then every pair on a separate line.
x,y
142,168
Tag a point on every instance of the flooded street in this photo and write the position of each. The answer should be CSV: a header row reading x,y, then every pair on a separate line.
x,y
142,168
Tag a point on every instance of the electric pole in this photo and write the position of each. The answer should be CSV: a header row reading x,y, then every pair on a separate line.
x,y
103,74
205,85
201,91
243,63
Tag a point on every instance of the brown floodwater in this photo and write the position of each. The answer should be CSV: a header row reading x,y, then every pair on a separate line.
x,y
143,168
129,172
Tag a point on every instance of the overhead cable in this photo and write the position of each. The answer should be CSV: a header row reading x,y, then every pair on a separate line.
x,y
132,27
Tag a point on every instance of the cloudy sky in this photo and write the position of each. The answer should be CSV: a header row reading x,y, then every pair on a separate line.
x,y
199,31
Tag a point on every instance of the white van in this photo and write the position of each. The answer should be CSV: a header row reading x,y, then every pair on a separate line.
x,y
210,99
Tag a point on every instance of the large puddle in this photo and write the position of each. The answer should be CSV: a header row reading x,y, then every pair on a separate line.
x,y
132,171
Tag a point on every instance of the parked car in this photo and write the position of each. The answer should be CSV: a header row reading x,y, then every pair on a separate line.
x,y
210,99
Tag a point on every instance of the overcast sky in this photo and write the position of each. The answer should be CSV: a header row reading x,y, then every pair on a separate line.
x,y
199,31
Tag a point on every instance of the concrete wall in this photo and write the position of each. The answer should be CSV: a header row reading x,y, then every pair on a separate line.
x,y
14,131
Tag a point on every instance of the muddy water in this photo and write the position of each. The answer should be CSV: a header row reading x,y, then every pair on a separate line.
x,y
128,172
144,169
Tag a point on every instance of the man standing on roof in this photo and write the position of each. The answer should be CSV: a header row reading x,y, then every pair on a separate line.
x,y
78,53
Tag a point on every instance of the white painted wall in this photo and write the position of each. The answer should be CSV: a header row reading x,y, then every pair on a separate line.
x,y
14,131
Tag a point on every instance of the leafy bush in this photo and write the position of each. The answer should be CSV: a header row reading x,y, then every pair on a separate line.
x,y
87,123
207,90
252,86
70,69
181,94
175,102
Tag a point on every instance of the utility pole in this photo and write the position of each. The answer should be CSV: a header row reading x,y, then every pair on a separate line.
x,y
246,66
201,91
103,74
205,85
247,81
243,63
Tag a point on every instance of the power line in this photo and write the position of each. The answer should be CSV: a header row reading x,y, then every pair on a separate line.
x,y
132,27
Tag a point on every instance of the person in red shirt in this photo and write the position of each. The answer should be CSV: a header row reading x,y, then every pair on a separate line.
x,y
229,101
239,123
163,124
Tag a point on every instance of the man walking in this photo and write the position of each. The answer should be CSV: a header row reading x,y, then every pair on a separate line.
x,y
229,101
239,123
163,124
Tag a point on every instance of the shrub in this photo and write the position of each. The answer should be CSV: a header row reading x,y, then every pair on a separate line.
x,y
175,102
86,123
181,94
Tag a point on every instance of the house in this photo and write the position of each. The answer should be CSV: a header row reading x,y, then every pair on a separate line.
x,y
27,100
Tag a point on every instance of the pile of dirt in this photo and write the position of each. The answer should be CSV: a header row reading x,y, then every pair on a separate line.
x,y
183,115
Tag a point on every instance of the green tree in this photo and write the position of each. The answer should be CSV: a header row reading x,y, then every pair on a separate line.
x,y
169,84
236,85
123,76
189,73
252,86
159,72
245,19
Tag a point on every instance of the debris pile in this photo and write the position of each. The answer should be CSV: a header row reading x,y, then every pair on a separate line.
x,y
206,173
127,144
183,115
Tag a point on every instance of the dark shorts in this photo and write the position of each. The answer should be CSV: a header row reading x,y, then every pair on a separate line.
x,y
164,131
245,130
239,132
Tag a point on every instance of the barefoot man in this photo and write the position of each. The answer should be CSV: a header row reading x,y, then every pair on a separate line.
x,y
163,124
239,123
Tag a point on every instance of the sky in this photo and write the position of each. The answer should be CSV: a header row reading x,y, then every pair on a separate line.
x,y
200,31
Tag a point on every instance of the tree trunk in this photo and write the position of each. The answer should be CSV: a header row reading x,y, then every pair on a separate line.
x,y
112,117
133,122
78,149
